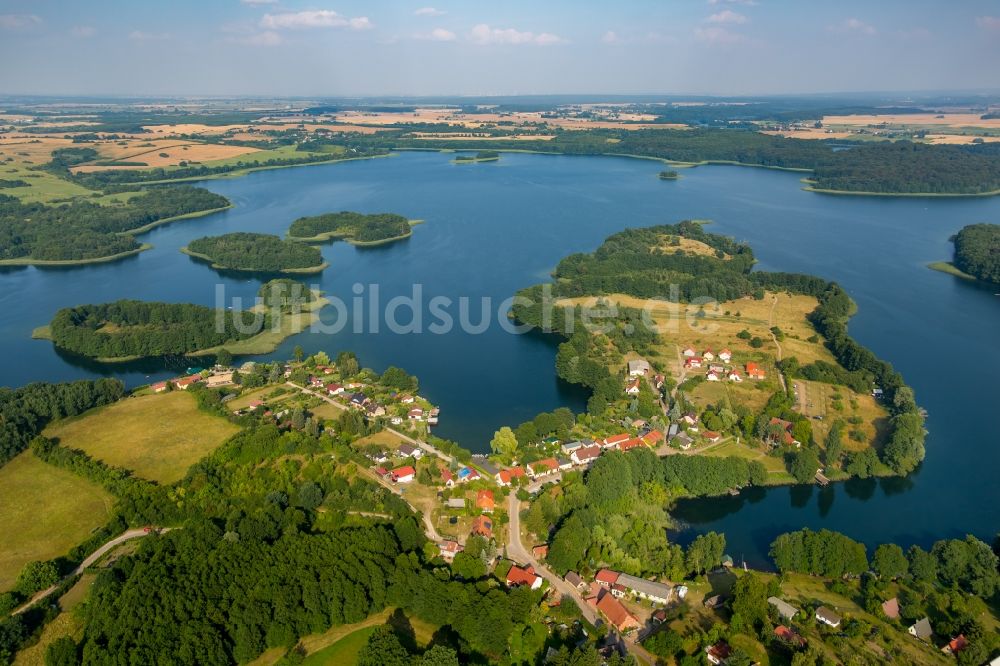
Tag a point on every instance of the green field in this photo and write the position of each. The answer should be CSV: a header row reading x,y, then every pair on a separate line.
x,y
46,511
342,653
267,341
156,436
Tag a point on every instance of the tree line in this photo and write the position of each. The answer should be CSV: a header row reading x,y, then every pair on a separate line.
x,y
256,252
365,228
977,251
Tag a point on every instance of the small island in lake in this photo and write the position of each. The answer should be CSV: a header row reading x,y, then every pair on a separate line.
x,y
669,175
127,330
264,253
481,156
355,228
977,254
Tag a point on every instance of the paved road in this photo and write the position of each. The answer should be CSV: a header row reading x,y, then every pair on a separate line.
x,y
416,442
517,552
89,560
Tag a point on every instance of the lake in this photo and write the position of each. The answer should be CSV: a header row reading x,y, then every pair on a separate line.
x,y
494,228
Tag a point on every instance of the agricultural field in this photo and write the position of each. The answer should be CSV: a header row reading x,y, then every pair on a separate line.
x,y
46,512
20,159
156,436
147,154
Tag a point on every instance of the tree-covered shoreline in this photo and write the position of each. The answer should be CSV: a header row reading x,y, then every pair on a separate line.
x,y
265,253
977,252
357,228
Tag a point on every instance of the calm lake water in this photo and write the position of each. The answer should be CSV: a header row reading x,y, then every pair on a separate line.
x,y
494,228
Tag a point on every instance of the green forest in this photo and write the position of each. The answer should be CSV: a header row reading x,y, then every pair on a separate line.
x,y
83,230
127,328
285,293
977,251
244,251
357,227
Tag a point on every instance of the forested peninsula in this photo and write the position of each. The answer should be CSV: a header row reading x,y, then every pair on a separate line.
x,y
650,263
355,228
82,231
977,252
242,251
126,329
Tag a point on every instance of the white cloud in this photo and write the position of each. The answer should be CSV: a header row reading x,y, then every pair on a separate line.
x,y
988,22
610,37
716,35
320,18
438,35
142,36
18,21
484,34
854,25
429,11
83,31
727,16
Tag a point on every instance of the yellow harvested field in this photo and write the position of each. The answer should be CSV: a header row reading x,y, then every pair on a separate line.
x,y
157,436
810,133
944,119
959,139
170,155
191,128
46,511
455,117
31,150
472,137
688,246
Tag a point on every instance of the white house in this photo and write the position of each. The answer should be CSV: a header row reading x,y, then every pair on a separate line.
x,y
638,368
712,377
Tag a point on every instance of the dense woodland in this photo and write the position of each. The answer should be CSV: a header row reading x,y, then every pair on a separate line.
x,y
352,226
129,328
885,167
977,251
256,252
643,263
25,411
85,230
285,293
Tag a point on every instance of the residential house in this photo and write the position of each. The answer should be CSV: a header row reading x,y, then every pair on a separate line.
x,y
184,382
466,474
787,437
630,444
374,409
616,614
711,376
690,419
381,472
652,438
484,501
380,457
406,399
358,400
315,382
506,476
159,387
718,652
523,576
573,578
415,414
659,380
638,368
585,455
543,467
693,362
448,549
734,376
828,617
632,387
683,441
606,578
754,371
891,608
689,353
672,431
432,418
334,389
482,526
921,629
410,451
455,503
725,355
403,474
541,551
785,609
712,436
614,440
569,447
708,355
956,645
447,477
650,590
219,379
717,369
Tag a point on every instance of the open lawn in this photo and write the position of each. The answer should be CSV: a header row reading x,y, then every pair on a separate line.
x,y
382,438
45,512
65,624
156,436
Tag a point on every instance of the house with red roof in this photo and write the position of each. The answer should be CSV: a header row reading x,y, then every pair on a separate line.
x,y
754,371
712,436
616,614
159,387
448,549
718,652
615,440
712,376
541,551
403,474
734,376
630,444
523,576
606,578
543,467
583,456
482,526
334,389
632,387
789,635
652,438
725,355
689,353
484,501
787,438
184,382
506,476
447,477
415,414
956,645
708,355
693,362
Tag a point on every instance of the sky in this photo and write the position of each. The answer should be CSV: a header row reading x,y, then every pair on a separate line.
x,y
319,48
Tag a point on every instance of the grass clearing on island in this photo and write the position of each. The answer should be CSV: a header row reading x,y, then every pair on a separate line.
x,y
268,341
156,436
950,269
46,511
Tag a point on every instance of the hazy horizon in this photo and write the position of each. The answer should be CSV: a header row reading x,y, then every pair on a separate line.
x,y
280,48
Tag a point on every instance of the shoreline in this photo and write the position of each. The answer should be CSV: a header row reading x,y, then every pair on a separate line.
x,y
28,261
248,170
309,270
167,220
951,269
336,235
